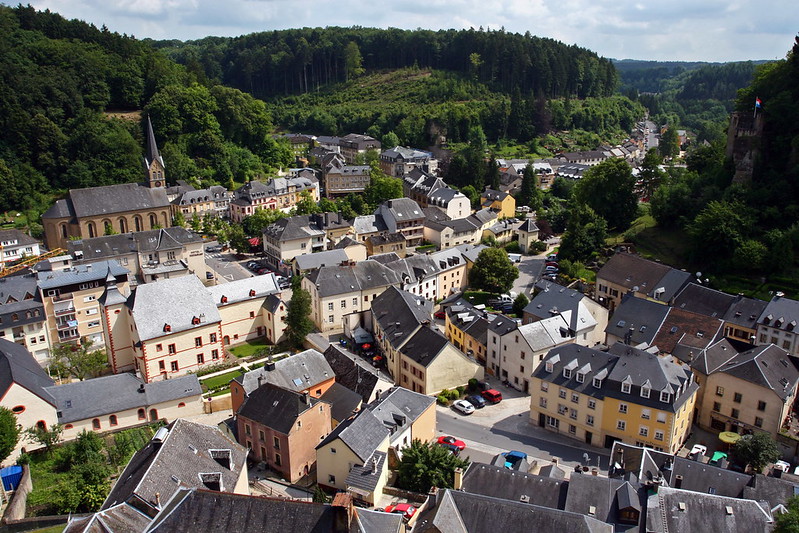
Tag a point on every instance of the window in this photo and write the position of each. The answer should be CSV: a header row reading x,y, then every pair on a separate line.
x,y
761,405
161,365
562,409
645,414
544,386
562,393
643,431
589,420
330,319
573,414
142,415
159,347
621,425
719,391
786,344
18,409
200,359
567,373
625,388
662,418
252,314
597,383
174,366
542,402
548,367
214,354
330,306
580,377
276,442
553,422
716,406
171,348
198,341
572,429
622,407
658,434
112,420
93,324
261,434
758,422
592,404
737,397
96,424
247,429
665,396
735,413
332,450
212,337
575,398
645,392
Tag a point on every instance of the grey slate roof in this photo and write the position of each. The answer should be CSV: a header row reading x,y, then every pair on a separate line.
x,y
369,224
713,357
142,242
766,366
461,512
293,228
500,482
703,300
605,495
775,491
631,271
320,259
17,365
343,402
362,434
639,318
275,407
174,301
164,468
19,236
704,512
669,285
297,372
334,280
357,378
400,402
366,476
528,225
745,312
79,400
100,270
425,345
780,310
402,209
19,295
110,199
240,289
399,314
593,363
122,518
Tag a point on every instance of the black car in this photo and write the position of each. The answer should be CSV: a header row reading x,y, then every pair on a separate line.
x,y
476,400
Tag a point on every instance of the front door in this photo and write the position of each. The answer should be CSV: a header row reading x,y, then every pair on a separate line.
x,y
588,437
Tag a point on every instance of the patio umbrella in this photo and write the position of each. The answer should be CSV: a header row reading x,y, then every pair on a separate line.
x,y
729,437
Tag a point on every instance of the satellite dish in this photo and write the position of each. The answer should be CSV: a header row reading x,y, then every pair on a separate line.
x,y
698,274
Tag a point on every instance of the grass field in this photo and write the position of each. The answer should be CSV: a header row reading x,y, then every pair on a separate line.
x,y
220,380
248,348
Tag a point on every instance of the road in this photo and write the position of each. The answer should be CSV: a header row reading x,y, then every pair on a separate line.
x,y
529,271
225,266
652,136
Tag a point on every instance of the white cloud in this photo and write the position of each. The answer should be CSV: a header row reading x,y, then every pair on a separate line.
x,y
710,30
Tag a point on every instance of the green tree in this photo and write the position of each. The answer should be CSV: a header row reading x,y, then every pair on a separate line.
x,y
78,360
46,437
493,271
562,188
390,140
788,522
650,174
381,187
237,240
298,316
585,234
520,303
472,194
306,205
756,450
530,195
352,60
179,220
9,433
717,231
425,465
492,174
608,189
254,224
669,145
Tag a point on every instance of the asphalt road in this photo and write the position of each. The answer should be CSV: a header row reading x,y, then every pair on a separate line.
x,y
225,265
529,271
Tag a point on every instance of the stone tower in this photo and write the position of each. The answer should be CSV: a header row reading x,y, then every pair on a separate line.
x,y
153,162
743,144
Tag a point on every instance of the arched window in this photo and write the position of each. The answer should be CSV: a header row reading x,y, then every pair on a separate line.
x,y
96,424
67,426
92,231
64,231
153,415
41,424
142,415
137,223
112,420
123,225
153,221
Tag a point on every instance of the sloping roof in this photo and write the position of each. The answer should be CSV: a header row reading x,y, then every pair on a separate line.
x,y
713,357
592,363
669,285
358,378
160,469
425,345
369,224
745,312
400,314
19,295
173,301
120,392
546,333
367,475
362,434
297,372
386,238
293,228
703,300
631,271
780,312
100,270
603,494
775,491
640,318
528,225
500,482
275,407
334,280
17,365
119,518
492,194
555,299
111,199
708,479
766,366
19,236
463,512
320,259
241,289
401,209
343,402
688,329
400,401
152,153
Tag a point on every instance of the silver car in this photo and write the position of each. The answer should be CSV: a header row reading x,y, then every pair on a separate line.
x,y
463,407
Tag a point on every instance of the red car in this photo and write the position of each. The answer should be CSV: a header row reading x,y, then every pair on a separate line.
x,y
446,439
439,314
405,509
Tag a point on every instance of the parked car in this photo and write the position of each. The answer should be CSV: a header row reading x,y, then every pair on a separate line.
x,y
463,407
213,249
405,509
551,264
209,275
440,314
447,439
515,258
492,396
697,452
514,460
477,401
552,257
551,270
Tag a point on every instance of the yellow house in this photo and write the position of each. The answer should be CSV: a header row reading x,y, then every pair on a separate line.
x,y
499,201
625,394
467,328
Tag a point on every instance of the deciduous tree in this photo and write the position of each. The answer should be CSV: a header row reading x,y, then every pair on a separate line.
x,y
609,189
493,271
9,433
298,316
426,465
78,360
756,450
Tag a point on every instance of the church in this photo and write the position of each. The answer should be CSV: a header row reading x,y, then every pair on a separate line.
x,y
93,211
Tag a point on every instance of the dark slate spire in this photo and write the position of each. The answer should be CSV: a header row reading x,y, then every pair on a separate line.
x,y
152,147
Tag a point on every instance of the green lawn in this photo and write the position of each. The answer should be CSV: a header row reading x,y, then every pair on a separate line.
x,y
248,348
51,529
220,380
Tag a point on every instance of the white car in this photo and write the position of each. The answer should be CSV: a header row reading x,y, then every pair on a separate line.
x,y
463,406
698,451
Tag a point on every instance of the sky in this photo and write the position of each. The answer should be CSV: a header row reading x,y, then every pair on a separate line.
x,y
676,30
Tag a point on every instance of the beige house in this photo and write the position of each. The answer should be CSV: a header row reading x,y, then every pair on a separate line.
x,y
751,391
303,234
275,310
584,318
15,245
401,160
353,145
277,193
126,402
452,274
450,233
428,190
627,273
150,255
23,385
71,300
337,291
386,243
528,235
341,179
213,201
22,317
356,251
403,215
499,201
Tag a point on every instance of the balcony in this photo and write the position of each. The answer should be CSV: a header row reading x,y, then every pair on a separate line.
x,y
67,324
67,296
65,336
64,308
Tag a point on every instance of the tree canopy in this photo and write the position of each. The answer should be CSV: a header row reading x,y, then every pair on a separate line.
x,y
756,450
9,433
298,316
493,271
424,465
609,189
78,360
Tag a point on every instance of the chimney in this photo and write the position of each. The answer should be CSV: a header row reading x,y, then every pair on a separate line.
x,y
306,398
141,387
374,465
344,512
678,482
555,461
269,366
260,380
457,483
158,499
432,497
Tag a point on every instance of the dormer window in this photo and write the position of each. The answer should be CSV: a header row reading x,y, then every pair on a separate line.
x,y
567,373
223,299
665,396
195,320
212,480
252,292
549,367
223,457
580,377
645,389
597,383
625,388
167,328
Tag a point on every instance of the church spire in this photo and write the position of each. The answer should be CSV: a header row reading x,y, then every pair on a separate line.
x,y
153,162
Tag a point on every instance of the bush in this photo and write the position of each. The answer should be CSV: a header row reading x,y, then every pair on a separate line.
x,y
540,246
461,389
513,247
24,459
454,394
442,400
473,383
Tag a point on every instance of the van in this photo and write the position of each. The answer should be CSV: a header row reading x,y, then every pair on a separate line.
x,y
515,258
492,396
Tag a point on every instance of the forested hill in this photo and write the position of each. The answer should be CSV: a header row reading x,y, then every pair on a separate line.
x,y
58,80
302,60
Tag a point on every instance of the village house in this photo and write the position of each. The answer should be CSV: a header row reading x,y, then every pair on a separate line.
x,y
466,326
777,324
528,235
22,315
340,178
86,213
278,193
403,215
352,145
213,201
585,319
499,201
15,245
428,190
302,234
400,161
626,272
385,243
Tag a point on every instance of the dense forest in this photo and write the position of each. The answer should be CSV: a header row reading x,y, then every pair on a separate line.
x,y
59,79
303,60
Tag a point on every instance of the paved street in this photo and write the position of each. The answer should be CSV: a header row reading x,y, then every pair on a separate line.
x,y
225,266
529,271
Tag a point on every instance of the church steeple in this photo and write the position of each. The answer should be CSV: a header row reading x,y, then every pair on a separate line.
x,y
153,162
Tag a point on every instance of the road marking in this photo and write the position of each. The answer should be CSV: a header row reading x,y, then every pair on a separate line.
x,y
228,276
